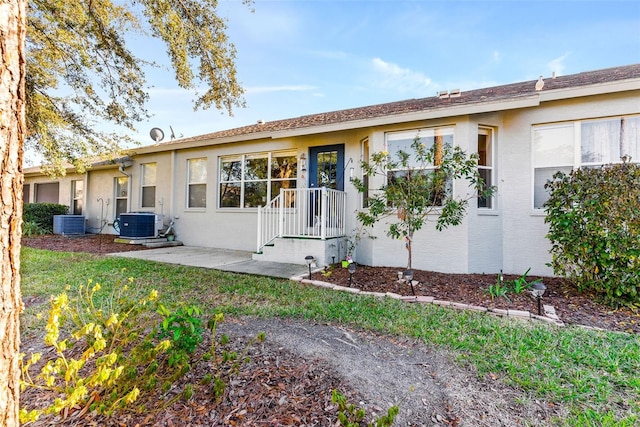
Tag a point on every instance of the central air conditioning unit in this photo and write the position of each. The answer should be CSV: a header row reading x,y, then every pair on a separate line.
x,y
68,224
138,225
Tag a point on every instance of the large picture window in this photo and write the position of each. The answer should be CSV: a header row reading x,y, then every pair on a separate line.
x,y
591,143
435,139
197,183
148,184
252,180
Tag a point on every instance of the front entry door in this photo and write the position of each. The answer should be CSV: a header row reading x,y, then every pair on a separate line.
x,y
326,167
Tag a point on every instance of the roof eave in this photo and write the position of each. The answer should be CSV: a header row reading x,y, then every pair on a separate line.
x,y
590,90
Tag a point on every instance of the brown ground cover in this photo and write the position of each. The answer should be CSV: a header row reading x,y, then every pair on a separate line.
x,y
289,379
571,306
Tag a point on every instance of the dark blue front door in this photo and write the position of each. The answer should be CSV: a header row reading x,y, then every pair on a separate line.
x,y
326,166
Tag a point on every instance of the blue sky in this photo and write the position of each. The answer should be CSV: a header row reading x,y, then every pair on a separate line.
x,y
298,57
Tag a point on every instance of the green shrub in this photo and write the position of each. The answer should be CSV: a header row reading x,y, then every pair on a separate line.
x,y
42,214
184,328
517,286
594,229
31,228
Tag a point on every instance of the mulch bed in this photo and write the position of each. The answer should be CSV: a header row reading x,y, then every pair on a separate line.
x,y
571,306
90,243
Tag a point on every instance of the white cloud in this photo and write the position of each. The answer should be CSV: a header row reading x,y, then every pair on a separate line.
x,y
392,76
283,88
496,56
557,65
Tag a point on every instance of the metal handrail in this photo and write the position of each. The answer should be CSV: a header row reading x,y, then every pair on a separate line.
x,y
313,213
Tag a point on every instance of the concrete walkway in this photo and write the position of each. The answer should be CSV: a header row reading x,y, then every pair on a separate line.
x,y
218,259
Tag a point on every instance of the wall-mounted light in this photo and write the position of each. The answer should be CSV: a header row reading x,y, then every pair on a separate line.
x,y
303,162
350,174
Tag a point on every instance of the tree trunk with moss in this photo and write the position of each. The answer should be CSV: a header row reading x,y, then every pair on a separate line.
x,y
12,125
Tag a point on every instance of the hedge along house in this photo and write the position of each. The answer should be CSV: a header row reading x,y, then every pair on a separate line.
x,y
282,189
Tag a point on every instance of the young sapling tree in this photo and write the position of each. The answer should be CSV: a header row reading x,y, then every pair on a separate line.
x,y
418,187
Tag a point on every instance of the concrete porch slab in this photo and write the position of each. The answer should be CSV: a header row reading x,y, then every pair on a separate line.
x,y
218,259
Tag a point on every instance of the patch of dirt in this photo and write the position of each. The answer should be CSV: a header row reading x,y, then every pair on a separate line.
x,y
91,243
290,377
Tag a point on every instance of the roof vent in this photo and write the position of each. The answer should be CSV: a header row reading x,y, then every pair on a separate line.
x,y
443,94
260,122
455,93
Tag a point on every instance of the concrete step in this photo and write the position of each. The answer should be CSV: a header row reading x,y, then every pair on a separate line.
x,y
132,241
163,244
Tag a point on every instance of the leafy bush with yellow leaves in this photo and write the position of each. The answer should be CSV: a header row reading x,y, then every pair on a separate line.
x,y
118,349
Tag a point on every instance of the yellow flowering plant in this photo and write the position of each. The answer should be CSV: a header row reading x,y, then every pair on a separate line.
x,y
98,366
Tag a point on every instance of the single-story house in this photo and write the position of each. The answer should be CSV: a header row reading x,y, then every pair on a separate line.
x,y
282,189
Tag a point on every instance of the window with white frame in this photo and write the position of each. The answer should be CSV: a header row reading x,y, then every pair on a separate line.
x,y
252,180
589,143
121,195
148,185
77,193
197,183
485,164
435,139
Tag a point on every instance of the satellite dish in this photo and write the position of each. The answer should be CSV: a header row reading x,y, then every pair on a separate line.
x,y
156,134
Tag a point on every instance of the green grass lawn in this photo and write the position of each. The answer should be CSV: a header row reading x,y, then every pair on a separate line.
x,y
596,375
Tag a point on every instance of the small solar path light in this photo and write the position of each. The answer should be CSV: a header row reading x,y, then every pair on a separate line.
x,y
352,269
309,260
538,289
408,276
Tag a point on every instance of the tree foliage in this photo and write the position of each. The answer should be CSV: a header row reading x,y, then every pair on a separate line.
x,y
418,187
80,71
594,229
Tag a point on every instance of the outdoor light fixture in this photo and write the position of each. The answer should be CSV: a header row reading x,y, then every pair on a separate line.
x,y
352,269
303,162
350,174
309,260
408,276
538,288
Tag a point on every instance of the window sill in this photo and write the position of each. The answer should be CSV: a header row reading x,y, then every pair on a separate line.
x,y
237,210
487,212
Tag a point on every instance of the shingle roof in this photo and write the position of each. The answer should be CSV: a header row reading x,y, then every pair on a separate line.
x,y
491,94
